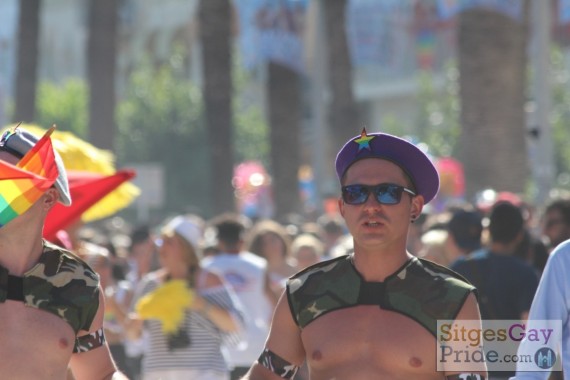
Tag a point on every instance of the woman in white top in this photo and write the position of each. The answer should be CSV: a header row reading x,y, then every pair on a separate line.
x,y
212,317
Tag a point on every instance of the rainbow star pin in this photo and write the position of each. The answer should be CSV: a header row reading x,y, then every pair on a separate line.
x,y
364,140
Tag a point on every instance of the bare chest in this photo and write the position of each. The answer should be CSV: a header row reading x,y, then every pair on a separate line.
x,y
369,341
43,339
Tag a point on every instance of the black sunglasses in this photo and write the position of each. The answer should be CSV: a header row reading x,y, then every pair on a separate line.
x,y
385,193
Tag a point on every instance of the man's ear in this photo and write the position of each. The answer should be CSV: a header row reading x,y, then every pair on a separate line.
x,y
417,205
51,196
341,206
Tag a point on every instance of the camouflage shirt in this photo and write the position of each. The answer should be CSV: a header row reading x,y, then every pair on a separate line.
x,y
420,289
60,283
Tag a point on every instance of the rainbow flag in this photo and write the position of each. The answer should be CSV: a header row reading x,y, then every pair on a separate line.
x,y
21,185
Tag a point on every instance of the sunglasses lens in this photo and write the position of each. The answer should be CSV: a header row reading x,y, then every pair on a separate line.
x,y
354,194
388,194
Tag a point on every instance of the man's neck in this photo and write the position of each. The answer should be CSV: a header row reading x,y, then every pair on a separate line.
x,y
376,266
20,252
501,249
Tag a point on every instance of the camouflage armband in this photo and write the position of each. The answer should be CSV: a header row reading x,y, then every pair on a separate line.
x,y
466,376
277,364
90,341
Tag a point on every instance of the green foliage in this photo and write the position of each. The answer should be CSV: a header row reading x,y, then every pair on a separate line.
x,y
438,122
438,114
160,121
251,137
560,117
64,105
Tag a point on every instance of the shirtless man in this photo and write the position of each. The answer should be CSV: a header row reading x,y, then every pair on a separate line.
x,y
51,303
372,314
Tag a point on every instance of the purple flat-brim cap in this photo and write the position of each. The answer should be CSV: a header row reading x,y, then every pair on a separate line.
x,y
415,163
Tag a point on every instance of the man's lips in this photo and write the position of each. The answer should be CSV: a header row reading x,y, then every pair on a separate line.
x,y
373,223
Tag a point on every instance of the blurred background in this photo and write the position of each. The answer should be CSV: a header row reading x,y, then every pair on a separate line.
x,y
242,105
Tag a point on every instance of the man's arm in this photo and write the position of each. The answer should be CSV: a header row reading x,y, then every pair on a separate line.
x,y
470,317
551,303
284,341
96,364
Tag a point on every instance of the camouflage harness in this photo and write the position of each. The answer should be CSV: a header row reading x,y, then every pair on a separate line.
x,y
420,289
61,284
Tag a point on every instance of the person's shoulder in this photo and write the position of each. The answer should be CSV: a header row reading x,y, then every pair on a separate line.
x,y
244,257
321,266
252,259
59,258
561,253
211,280
439,271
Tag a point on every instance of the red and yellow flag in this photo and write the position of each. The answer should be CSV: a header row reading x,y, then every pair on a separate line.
x,y
21,185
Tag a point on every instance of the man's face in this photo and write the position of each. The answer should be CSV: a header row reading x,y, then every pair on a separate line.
x,y
374,225
555,228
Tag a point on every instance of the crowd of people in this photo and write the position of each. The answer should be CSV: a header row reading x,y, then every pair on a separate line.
x,y
347,295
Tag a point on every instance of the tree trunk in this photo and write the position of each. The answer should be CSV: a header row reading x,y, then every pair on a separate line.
x,y
215,38
284,96
343,115
26,76
101,63
492,66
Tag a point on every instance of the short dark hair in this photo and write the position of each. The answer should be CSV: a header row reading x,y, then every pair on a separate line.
x,y
466,227
229,227
505,222
561,205
139,235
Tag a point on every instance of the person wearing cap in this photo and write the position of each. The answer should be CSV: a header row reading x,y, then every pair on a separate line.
x,y
51,302
372,314
209,311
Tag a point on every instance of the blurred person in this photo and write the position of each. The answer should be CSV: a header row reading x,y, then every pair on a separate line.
x,y
307,250
206,310
464,231
142,259
210,250
371,314
269,239
247,274
533,251
334,228
312,228
142,254
52,305
506,284
556,222
102,263
434,247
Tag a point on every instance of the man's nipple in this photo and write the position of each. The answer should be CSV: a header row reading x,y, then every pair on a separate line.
x,y
63,343
415,362
317,355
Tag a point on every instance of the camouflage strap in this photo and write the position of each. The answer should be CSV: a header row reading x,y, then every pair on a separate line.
x,y
90,341
421,290
466,376
277,364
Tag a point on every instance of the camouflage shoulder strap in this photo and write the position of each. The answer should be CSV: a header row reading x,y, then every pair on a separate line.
x,y
63,284
420,289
